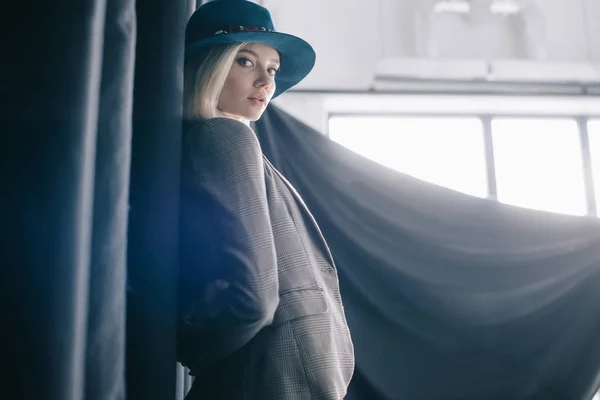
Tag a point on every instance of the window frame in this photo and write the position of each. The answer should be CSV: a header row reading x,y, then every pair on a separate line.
x,y
581,109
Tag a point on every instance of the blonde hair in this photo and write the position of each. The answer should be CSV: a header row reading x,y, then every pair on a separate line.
x,y
204,78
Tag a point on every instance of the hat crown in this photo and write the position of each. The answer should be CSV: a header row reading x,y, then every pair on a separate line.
x,y
219,15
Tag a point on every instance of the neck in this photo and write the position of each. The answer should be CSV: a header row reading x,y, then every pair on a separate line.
x,y
236,117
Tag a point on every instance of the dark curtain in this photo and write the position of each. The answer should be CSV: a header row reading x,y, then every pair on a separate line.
x,y
91,95
448,296
154,208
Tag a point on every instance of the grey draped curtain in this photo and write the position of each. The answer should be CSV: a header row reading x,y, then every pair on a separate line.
x,y
448,296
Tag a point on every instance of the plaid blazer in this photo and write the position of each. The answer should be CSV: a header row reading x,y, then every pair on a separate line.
x,y
282,332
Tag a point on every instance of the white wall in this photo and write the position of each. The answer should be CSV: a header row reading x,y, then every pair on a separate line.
x,y
349,36
566,29
591,10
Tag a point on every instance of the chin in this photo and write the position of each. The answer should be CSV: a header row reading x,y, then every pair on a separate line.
x,y
255,117
252,116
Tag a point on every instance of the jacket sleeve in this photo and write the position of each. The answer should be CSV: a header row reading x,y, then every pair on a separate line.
x,y
222,162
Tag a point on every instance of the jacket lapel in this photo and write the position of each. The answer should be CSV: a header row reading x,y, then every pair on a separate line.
x,y
304,208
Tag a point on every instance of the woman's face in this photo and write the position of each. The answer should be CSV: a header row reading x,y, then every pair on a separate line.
x,y
250,83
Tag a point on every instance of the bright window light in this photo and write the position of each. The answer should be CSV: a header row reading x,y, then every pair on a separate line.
x,y
539,164
445,151
594,135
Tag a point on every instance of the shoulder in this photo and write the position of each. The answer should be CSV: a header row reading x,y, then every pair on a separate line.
x,y
220,133
218,126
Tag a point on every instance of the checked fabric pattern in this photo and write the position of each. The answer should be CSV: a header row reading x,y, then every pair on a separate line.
x,y
282,333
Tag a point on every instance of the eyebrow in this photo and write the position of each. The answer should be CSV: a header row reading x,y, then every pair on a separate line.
x,y
275,60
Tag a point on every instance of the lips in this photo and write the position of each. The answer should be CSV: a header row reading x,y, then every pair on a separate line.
x,y
258,97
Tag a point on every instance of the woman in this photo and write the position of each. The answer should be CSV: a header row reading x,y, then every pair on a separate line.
x,y
261,312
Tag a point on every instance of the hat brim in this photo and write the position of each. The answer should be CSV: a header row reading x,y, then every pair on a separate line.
x,y
297,56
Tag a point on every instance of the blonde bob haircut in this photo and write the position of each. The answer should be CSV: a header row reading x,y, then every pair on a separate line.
x,y
203,81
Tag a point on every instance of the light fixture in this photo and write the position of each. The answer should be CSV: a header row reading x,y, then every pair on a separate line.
x,y
506,7
452,6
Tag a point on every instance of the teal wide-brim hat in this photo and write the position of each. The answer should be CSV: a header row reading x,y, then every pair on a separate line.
x,y
222,22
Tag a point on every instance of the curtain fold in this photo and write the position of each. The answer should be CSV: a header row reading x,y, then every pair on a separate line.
x,y
51,95
105,350
154,200
448,296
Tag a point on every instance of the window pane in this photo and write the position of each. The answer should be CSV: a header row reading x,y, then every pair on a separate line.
x,y
539,164
445,151
594,135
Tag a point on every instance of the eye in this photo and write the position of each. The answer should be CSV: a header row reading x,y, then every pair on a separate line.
x,y
245,62
274,71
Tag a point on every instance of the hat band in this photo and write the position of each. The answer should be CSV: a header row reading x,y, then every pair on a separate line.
x,y
242,28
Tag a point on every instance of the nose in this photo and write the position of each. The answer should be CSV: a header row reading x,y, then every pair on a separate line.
x,y
264,80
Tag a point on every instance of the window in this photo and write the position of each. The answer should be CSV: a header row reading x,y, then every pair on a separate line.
x,y
594,136
539,164
445,151
537,144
